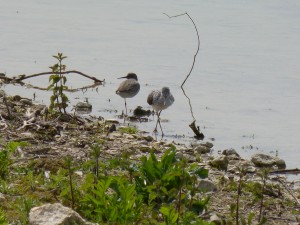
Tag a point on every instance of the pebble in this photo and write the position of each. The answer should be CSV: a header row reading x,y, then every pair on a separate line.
x,y
201,149
207,185
263,160
220,162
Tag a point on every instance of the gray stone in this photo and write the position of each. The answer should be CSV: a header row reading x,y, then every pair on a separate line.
x,y
244,164
202,149
208,144
25,101
216,219
128,136
263,160
83,106
207,185
220,162
55,214
149,138
230,151
2,93
112,121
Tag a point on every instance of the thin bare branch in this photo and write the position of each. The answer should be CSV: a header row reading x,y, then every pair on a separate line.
x,y
23,76
84,88
20,78
288,190
197,132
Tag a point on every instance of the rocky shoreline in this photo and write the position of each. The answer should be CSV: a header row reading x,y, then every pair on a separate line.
x,y
49,139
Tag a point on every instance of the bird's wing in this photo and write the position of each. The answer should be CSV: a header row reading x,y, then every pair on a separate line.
x,y
150,98
128,85
153,97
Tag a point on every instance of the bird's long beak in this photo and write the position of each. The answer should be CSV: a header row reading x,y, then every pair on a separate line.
x,y
122,77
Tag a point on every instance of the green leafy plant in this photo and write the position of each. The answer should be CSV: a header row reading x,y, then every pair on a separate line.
x,y
5,154
170,215
169,181
113,200
96,152
24,208
3,220
68,161
128,130
264,175
58,100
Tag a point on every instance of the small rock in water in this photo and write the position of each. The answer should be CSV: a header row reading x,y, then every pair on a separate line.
x,y
140,112
25,101
208,144
83,107
112,121
263,160
230,152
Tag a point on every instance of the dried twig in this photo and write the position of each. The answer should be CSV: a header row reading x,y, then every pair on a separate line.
x,y
7,107
288,190
20,78
29,122
288,171
23,76
193,126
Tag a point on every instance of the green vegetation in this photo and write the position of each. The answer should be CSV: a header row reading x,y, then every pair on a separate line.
x,y
58,99
150,191
3,220
128,130
124,191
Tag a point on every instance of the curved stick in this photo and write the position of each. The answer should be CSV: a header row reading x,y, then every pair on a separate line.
x,y
196,131
23,77
20,78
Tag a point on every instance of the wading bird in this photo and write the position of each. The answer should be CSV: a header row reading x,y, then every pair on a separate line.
x,y
129,87
160,100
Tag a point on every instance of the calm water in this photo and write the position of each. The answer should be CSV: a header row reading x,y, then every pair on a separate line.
x,y
245,86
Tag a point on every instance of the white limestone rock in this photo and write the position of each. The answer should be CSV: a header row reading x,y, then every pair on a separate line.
x,y
55,214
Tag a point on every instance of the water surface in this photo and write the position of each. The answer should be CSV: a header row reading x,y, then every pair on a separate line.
x,y
244,86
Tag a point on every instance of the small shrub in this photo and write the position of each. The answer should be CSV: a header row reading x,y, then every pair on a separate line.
x,y
58,99
128,130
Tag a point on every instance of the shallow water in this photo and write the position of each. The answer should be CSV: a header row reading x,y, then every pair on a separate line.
x,y
245,85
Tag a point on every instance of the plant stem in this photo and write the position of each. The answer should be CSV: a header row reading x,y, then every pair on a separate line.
x,y
239,191
262,197
71,183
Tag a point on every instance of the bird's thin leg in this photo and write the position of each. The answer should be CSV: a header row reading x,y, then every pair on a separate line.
x,y
125,106
158,121
162,133
157,113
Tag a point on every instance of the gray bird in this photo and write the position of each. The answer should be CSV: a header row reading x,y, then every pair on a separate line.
x,y
129,87
160,100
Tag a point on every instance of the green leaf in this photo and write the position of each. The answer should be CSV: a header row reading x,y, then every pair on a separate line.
x,y
201,172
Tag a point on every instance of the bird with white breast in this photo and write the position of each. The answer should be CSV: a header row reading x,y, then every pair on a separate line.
x,y
128,88
160,100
